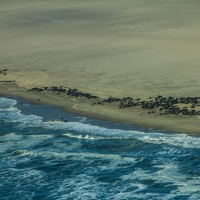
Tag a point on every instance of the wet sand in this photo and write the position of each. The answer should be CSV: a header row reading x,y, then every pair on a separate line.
x,y
107,112
130,48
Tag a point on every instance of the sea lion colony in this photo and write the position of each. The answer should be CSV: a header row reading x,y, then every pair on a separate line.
x,y
4,72
154,105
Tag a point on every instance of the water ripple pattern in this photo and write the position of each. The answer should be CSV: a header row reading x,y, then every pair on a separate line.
x,y
84,159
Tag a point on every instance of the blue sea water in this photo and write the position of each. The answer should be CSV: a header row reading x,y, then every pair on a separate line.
x,y
42,157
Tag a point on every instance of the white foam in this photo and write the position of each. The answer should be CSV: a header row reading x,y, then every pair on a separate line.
x,y
114,159
87,137
17,141
180,140
89,129
95,132
10,137
90,132
7,103
13,114
88,187
22,152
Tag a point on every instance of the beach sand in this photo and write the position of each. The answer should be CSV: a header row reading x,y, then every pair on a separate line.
x,y
106,48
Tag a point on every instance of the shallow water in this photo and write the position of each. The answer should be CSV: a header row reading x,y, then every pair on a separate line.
x,y
42,157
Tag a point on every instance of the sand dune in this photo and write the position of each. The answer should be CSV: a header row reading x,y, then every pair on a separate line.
x,y
129,47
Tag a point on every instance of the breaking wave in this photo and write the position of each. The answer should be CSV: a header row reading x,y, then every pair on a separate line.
x,y
77,160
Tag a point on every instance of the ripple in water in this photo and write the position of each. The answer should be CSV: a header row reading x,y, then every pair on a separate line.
x,y
86,159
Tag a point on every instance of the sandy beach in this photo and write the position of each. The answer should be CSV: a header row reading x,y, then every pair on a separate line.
x,y
106,48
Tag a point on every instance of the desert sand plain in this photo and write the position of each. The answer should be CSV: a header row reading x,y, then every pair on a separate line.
x,y
136,48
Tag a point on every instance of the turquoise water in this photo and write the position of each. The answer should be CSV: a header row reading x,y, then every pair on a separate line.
x,y
42,157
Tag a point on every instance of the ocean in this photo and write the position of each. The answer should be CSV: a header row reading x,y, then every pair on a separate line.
x,y
42,157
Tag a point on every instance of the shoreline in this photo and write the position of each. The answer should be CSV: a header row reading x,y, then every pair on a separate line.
x,y
131,49
107,112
